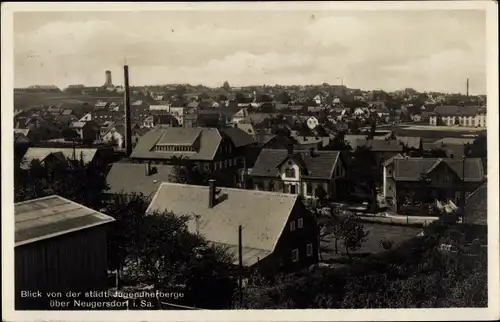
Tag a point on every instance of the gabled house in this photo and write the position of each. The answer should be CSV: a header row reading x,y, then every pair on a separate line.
x,y
213,150
297,172
432,178
160,120
278,232
87,131
468,116
96,156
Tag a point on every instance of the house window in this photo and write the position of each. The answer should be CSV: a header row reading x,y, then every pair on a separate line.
x,y
220,164
446,177
300,223
293,189
309,250
225,163
290,173
295,255
271,186
230,162
292,225
309,189
206,167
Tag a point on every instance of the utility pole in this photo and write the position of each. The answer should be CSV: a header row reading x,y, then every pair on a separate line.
x,y
240,257
462,194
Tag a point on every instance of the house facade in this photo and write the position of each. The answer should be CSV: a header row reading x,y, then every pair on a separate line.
x,y
467,116
278,232
211,149
430,178
298,172
86,131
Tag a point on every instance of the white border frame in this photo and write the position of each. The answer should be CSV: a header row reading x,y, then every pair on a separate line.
x,y
492,312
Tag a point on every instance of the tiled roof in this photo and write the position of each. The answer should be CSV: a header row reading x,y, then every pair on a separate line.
x,y
210,138
239,137
411,169
320,165
381,145
131,178
263,215
452,150
456,110
52,216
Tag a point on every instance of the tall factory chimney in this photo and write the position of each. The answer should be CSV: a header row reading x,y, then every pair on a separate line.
x,y
108,81
128,128
467,87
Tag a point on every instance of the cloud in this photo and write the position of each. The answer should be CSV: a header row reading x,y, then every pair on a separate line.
x,y
368,49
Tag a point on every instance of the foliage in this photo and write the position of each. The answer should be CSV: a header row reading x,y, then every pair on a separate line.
x,y
226,86
478,149
187,172
364,169
321,194
79,182
386,244
413,275
158,248
437,153
338,143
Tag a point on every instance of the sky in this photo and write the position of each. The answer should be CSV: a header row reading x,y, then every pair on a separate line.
x,y
427,50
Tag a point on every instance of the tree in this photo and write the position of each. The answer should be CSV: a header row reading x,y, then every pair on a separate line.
x,y
352,233
283,97
478,149
321,194
386,244
187,172
437,153
338,143
157,248
77,181
364,170
226,86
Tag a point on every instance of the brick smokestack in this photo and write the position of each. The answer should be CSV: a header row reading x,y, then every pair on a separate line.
x,y
128,127
467,87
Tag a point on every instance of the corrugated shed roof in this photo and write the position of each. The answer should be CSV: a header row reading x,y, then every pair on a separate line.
x,y
131,178
320,165
52,216
263,215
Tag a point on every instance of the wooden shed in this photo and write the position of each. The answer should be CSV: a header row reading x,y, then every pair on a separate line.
x,y
60,246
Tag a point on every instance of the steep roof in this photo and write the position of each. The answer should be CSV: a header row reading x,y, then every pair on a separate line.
x,y
320,165
210,139
131,178
411,169
263,215
52,216
238,137
462,141
381,145
476,209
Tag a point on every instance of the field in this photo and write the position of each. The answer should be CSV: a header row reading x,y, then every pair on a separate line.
x,y
432,133
31,100
377,232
